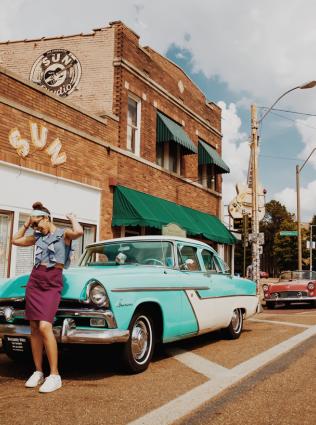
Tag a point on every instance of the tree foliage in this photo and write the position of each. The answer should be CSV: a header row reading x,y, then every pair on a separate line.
x,y
279,252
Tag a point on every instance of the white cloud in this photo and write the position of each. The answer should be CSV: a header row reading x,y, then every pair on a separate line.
x,y
263,48
307,197
306,129
235,151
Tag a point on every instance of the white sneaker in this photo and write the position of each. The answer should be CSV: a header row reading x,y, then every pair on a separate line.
x,y
52,383
36,379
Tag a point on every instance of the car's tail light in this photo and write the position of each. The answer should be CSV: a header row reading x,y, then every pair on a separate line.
x,y
311,286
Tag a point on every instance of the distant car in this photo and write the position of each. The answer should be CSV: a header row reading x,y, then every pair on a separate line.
x,y
136,292
292,287
264,275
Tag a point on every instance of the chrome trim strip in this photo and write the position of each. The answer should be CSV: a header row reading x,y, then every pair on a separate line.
x,y
13,299
225,296
69,334
66,312
291,299
161,288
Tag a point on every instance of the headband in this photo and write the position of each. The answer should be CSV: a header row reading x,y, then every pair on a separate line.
x,y
39,213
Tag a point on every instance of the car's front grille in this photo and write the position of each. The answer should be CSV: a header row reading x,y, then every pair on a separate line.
x,y
20,305
291,294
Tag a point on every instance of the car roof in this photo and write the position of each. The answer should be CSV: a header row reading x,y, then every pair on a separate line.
x,y
153,238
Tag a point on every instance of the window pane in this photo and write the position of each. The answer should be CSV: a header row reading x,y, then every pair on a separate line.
x,y
132,112
5,226
186,253
79,244
160,149
209,261
25,254
131,135
148,253
173,157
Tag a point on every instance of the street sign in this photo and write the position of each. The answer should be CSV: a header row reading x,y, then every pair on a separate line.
x,y
288,233
308,245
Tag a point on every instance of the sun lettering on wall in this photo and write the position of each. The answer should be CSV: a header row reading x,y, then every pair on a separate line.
x,y
39,141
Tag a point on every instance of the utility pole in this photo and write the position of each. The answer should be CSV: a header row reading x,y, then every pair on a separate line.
x,y
255,217
298,209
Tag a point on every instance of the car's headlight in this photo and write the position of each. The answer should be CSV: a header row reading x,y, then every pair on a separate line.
x,y
97,294
265,288
311,286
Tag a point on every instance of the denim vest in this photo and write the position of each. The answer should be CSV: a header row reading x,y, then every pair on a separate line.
x,y
51,249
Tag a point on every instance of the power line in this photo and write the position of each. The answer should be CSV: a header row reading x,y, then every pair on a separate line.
x,y
287,111
281,157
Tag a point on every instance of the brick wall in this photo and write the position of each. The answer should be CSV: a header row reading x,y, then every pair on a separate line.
x,y
95,53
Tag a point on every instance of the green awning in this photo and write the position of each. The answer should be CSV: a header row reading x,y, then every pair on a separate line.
x,y
170,131
133,208
208,155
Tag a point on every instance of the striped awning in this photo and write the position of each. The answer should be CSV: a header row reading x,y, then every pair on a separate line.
x,y
208,155
170,131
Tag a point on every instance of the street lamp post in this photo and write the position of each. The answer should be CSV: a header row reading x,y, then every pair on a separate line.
x,y
311,248
298,211
254,149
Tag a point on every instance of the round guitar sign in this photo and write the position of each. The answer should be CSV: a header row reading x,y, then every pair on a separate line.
x,y
58,71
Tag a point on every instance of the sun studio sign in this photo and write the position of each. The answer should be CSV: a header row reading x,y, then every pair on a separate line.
x,y
58,71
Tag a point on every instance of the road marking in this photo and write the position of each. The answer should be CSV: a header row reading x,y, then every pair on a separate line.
x,y
192,399
201,365
279,322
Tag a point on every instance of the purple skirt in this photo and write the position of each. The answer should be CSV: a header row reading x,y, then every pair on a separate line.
x,y
42,296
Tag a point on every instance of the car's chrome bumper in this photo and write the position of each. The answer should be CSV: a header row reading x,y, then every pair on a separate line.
x,y
70,334
293,299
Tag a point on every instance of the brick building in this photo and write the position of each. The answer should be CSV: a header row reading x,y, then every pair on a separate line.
x,y
99,125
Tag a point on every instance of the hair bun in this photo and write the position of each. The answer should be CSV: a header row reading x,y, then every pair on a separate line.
x,y
37,206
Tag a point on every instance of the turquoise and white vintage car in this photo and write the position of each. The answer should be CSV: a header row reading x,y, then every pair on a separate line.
x,y
137,292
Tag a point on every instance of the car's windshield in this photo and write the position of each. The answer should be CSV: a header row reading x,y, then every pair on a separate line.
x,y
297,275
157,253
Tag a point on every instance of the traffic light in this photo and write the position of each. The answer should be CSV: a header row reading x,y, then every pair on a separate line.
x,y
238,224
243,225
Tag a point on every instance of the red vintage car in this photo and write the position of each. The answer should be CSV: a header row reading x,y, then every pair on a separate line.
x,y
292,287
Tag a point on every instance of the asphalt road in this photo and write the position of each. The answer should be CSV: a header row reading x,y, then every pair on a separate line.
x,y
264,377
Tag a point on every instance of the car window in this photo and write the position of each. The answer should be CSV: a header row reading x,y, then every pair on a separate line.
x,y
188,259
210,261
149,253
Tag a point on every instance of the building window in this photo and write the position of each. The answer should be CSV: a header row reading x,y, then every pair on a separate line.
x,y
207,176
5,237
78,245
170,157
133,125
25,255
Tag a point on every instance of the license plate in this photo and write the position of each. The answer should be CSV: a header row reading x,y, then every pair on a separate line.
x,y
18,344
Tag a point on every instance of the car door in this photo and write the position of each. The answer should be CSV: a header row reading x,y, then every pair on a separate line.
x,y
194,280
212,306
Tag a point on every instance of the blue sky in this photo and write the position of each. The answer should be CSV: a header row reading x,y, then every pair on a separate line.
x,y
238,53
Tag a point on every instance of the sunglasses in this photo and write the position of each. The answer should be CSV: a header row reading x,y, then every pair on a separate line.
x,y
35,224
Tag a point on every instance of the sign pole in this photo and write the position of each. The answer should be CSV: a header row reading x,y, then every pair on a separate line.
x,y
255,221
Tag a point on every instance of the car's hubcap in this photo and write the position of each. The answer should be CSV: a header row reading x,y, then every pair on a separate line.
x,y
236,320
141,339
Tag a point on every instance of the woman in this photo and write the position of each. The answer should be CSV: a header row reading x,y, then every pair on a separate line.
x,y
42,297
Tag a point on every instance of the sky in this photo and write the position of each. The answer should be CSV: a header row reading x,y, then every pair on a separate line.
x,y
238,52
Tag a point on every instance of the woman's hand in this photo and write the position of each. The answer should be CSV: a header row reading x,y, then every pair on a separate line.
x,y
28,222
71,216
76,231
